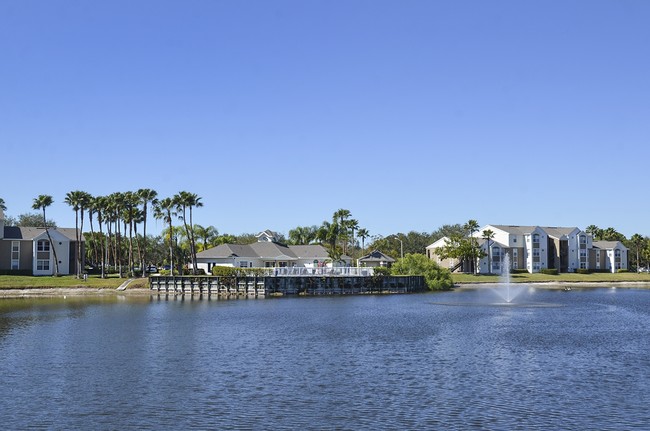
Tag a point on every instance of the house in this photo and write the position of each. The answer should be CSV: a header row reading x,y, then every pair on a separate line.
x,y
27,250
608,256
267,252
534,248
374,259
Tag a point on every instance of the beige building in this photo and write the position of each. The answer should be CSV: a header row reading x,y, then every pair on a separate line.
x,y
535,248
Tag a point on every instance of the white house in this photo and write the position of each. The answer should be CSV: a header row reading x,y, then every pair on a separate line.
x,y
267,252
27,250
535,248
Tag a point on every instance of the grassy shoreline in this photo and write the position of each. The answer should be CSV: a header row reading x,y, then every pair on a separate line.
x,y
20,282
573,278
69,285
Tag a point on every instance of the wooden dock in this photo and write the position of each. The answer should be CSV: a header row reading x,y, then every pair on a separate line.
x,y
262,286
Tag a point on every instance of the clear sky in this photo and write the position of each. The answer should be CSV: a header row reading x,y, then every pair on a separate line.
x,y
411,114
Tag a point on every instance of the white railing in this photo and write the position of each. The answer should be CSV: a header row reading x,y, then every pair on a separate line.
x,y
331,272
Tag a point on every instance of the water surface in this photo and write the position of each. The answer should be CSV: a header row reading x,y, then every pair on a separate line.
x,y
576,360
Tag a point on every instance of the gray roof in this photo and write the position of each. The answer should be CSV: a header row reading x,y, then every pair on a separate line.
x,y
376,256
29,233
607,245
553,231
266,250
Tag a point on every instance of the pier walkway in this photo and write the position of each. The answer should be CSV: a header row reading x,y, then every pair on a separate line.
x,y
258,286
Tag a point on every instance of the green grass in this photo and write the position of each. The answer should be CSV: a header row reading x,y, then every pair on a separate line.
x,y
543,278
67,281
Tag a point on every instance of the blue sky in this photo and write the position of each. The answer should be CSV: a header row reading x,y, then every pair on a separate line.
x,y
411,114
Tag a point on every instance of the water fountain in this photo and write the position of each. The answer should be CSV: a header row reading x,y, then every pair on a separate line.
x,y
505,289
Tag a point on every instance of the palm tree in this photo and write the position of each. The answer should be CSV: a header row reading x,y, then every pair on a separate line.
x,y
100,207
207,234
472,226
79,201
363,234
488,234
146,196
3,206
302,235
164,209
185,201
638,241
595,232
42,202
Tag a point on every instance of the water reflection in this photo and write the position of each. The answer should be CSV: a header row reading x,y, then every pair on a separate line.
x,y
366,362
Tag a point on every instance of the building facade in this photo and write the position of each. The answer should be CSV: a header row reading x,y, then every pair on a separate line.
x,y
28,250
534,248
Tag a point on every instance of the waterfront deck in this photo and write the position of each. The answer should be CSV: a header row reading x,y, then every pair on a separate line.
x,y
260,286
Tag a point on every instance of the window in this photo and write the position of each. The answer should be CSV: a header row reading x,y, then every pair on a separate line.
x,y
496,251
617,253
514,240
243,264
536,266
514,253
15,254
514,265
535,252
583,253
536,238
43,265
496,266
583,239
43,245
583,265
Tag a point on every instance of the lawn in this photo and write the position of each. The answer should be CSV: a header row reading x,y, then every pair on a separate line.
x,y
66,281
561,278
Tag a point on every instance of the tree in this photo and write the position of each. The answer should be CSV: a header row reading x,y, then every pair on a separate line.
x,y
488,234
638,241
437,278
3,206
302,235
472,226
463,249
595,232
185,201
363,234
42,202
164,209
146,196
33,220
79,201
207,234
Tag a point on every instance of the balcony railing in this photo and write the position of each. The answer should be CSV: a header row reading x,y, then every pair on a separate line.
x,y
298,271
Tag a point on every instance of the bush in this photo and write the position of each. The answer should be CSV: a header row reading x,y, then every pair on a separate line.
x,y
16,272
437,278
381,271
549,271
622,270
518,271
583,271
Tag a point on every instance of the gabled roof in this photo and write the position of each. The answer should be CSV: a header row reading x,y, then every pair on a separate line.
x,y
29,233
517,230
608,245
376,256
552,231
266,250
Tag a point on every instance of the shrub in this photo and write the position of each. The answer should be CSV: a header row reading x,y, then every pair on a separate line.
x,y
622,270
437,278
549,271
518,271
224,271
381,271
15,272
583,271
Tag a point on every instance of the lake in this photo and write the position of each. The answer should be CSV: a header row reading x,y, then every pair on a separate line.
x,y
457,360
